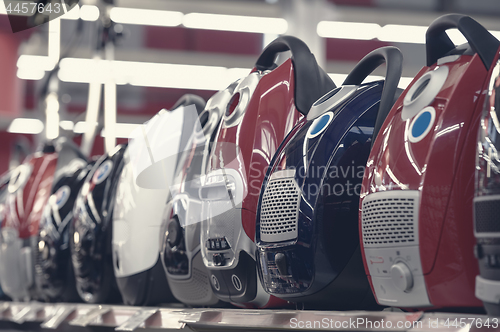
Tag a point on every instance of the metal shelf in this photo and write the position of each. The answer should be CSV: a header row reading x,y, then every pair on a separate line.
x,y
66,316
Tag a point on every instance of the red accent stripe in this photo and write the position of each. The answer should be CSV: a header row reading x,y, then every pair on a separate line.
x,y
210,41
350,50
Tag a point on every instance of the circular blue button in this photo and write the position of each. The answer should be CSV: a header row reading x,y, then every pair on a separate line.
x,y
103,172
421,124
61,197
320,124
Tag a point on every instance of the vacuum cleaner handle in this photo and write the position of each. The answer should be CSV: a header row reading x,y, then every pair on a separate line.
x,y
311,82
393,59
438,44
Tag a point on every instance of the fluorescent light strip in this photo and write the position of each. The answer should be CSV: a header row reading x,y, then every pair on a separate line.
x,y
89,13
54,47
73,14
396,33
82,127
67,125
239,23
348,30
30,73
235,23
146,17
403,34
149,74
52,116
122,130
25,126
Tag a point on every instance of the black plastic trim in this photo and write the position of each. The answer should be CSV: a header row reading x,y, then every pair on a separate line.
x,y
438,44
393,58
311,82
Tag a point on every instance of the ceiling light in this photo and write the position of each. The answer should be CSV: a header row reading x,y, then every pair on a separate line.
x,y
403,33
83,127
146,17
30,74
89,13
395,33
149,74
73,14
35,62
67,125
25,126
348,30
122,130
52,116
235,23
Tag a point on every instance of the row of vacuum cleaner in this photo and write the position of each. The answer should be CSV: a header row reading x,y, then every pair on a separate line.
x,y
281,189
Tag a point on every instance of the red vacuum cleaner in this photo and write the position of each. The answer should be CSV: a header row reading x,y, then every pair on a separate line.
x,y
263,108
416,200
30,186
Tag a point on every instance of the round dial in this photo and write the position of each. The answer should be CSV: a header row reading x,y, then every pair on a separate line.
x,y
402,276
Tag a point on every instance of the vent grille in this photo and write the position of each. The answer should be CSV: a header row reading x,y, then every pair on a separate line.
x,y
390,219
195,290
279,210
486,215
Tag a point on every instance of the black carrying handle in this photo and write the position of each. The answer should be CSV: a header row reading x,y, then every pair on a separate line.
x,y
438,44
311,82
393,59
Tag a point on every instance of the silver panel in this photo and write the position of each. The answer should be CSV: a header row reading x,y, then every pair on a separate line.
x,y
280,208
390,219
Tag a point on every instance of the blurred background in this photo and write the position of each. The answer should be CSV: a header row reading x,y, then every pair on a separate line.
x,y
148,53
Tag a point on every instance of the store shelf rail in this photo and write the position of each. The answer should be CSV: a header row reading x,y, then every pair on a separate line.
x,y
86,317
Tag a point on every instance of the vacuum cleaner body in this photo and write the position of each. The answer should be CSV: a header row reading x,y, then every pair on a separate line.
x,y
416,200
138,212
181,252
486,198
307,221
54,275
135,244
91,230
30,187
262,110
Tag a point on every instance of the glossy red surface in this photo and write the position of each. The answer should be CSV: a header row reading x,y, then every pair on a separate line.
x,y
270,115
25,206
441,166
